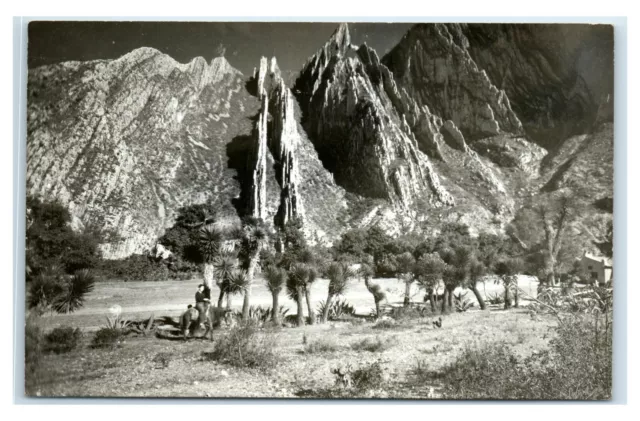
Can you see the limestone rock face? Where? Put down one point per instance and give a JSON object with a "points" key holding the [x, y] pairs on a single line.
{"points": [[296, 177], [360, 137], [432, 63], [126, 142], [558, 78]]}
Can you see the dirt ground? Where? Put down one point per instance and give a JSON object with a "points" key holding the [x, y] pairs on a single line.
{"points": [[133, 370]]}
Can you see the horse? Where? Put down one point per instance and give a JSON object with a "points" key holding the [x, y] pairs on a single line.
{"points": [[215, 316]]}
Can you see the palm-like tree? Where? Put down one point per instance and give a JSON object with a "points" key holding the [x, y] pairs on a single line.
{"points": [[252, 237], [78, 286], [428, 271], [210, 240], [275, 278], [223, 266], [297, 281], [366, 272], [405, 263], [339, 274]]}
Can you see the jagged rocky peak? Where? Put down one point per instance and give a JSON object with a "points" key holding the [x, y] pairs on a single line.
{"points": [[432, 63], [278, 133], [349, 102]]}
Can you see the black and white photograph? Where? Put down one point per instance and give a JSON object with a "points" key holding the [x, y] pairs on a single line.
{"points": [[319, 210]]}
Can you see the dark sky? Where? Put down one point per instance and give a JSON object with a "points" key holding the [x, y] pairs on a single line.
{"points": [[292, 43]]}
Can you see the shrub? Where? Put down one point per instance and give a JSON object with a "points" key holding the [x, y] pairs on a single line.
{"points": [[577, 366], [495, 298], [136, 267], [387, 324], [376, 344], [63, 339], [321, 345], [244, 346], [107, 338], [370, 376]]}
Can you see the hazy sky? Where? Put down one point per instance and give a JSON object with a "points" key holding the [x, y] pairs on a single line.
{"points": [[291, 43]]}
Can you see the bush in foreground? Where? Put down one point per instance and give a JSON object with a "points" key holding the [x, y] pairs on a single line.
{"points": [[107, 337], [577, 366], [63, 339], [245, 346]]}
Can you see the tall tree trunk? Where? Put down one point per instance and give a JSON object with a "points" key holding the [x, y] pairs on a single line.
{"points": [[253, 263], [450, 298], [476, 292], [207, 276], [516, 303], [377, 307], [312, 315], [299, 302], [407, 292], [327, 307], [507, 294], [275, 309], [445, 298], [433, 297], [220, 298]]}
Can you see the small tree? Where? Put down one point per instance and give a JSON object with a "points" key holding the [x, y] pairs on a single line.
{"points": [[508, 270], [405, 263], [297, 280], [252, 236], [428, 271], [210, 240], [366, 273], [275, 278]]}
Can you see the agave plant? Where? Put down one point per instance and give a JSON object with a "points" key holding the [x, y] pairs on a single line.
{"points": [[335, 310]]}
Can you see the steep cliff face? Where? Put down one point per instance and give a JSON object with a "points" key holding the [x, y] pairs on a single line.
{"points": [[432, 63], [359, 135], [126, 142], [288, 178], [556, 77]]}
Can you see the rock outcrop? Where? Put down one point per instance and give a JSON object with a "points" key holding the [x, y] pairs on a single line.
{"points": [[556, 77], [294, 175], [432, 63], [359, 135], [126, 142]]}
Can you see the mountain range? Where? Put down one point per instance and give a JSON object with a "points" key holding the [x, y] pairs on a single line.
{"points": [[458, 123]]}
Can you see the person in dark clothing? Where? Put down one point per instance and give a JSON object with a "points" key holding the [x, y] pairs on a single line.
{"points": [[202, 303]]}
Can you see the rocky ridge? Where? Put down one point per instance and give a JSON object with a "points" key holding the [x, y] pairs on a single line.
{"points": [[125, 143]]}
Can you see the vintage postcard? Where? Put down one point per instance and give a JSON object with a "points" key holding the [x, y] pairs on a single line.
{"points": [[319, 210]]}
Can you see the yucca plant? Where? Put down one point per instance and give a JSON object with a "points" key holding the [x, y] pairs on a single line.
{"points": [[275, 279], [223, 266], [76, 288], [297, 282], [252, 236]]}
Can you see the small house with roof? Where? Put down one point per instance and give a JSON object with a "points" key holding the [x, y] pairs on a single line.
{"points": [[599, 269]]}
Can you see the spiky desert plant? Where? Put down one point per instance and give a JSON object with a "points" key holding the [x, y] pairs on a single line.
{"points": [[223, 265], [339, 274], [297, 281], [77, 286], [210, 240], [275, 279], [366, 272], [252, 236]]}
